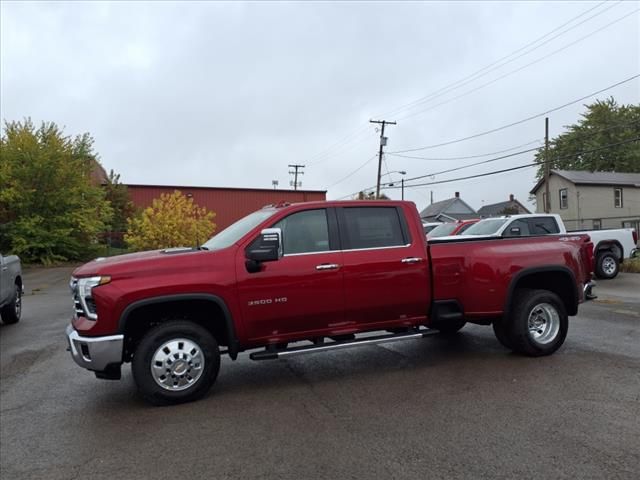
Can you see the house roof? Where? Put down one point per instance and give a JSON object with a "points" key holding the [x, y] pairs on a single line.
{"points": [[443, 207], [580, 177], [498, 208]]}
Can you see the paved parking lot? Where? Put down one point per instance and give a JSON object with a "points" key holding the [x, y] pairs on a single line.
{"points": [[459, 407]]}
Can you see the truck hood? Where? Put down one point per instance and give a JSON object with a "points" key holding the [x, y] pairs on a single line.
{"points": [[134, 262]]}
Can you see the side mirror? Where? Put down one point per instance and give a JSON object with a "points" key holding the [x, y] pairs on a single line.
{"points": [[514, 232], [266, 248]]}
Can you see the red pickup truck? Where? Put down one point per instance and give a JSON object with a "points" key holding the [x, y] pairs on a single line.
{"points": [[293, 279]]}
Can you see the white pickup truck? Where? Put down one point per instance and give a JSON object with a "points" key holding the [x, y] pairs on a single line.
{"points": [[610, 247]]}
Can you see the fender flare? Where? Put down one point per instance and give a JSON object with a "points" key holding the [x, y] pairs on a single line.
{"points": [[232, 339], [545, 269], [606, 245]]}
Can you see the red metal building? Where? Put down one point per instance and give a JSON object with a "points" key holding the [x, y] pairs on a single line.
{"points": [[229, 204]]}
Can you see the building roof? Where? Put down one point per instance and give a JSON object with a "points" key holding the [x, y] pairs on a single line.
{"points": [[244, 189], [580, 177], [498, 208], [453, 208]]}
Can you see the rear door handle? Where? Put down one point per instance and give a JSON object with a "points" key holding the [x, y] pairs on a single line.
{"points": [[411, 260], [327, 266]]}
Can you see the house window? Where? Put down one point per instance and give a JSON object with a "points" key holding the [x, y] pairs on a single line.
{"points": [[597, 224], [544, 201], [564, 198], [617, 197]]}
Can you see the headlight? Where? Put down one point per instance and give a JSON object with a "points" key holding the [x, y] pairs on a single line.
{"points": [[86, 284], [84, 295]]}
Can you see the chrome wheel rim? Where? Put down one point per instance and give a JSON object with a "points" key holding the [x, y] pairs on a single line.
{"points": [[177, 364], [609, 265], [543, 323], [18, 305]]}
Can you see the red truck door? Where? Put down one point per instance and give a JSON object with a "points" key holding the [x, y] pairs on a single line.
{"points": [[303, 290], [385, 270]]}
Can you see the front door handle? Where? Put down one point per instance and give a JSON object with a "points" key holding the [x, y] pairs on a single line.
{"points": [[411, 260], [327, 266]]}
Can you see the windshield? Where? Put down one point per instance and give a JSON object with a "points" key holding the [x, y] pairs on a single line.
{"points": [[443, 230], [485, 227], [236, 231]]}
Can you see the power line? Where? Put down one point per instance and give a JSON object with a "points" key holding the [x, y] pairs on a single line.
{"points": [[385, 185], [353, 172], [468, 156], [488, 68], [486, 174], [324, 154], [518, 69], [524, 120]]}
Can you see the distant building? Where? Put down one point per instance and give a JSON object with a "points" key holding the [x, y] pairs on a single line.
{"points": [[510, 207], [448, 210], [592, 199], [229, 204]]}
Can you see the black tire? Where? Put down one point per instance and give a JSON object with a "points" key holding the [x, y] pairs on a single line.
{"points": [[607, 265], [173, 333], [544, 307], [451, 327], [502, 333], [12, 311]]}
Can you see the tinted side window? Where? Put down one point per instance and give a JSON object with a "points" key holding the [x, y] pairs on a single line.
{"points": [[305, 232], [372, 227], [522, 224], [543, 226]]}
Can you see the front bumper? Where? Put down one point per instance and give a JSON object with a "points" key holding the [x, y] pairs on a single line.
{"points": [[95, 353]]}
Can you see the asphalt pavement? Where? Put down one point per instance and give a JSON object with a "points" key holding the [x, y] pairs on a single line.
{"points": [[460, 407]]}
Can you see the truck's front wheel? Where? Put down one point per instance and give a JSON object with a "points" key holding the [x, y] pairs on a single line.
{"points": [[538, 322], [176, 362]]}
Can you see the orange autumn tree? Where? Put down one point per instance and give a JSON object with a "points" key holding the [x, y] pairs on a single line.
{"points": [[173, 220]]}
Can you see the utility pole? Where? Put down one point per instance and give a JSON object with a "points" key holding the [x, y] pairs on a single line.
{"points": [[547, 201], [295, 174], [383, 142], [402, 180]]}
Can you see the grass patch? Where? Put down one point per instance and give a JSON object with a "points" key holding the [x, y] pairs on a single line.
{"points": [[631, 265]]}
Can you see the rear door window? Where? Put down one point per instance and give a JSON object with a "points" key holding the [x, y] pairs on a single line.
{"points": [[373, 227], [543, 226]]}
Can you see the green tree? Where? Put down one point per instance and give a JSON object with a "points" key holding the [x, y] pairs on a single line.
{"points": [[604, 123], [370, 196], [50, 210], [118, 197], [173, 220]]}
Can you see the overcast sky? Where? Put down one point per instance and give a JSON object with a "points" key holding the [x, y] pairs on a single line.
{"points": [[227, 94]]}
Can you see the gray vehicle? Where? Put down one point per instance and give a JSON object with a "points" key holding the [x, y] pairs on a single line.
{"points": [[11, 289]]}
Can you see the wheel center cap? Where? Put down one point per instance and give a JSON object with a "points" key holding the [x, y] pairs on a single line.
{"points": [[180, 367]]}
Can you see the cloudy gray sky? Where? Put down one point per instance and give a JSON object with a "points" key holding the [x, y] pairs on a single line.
{"points": [[228, 94]]}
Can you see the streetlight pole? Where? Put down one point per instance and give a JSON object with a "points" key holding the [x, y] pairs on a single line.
{"points": [[401, 172]]}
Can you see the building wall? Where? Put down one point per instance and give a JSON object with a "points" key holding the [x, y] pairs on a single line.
{"points": [[591, 202], [229, 204]]}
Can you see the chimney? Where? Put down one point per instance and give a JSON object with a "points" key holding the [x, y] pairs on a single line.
{"points": [[511, 197], [457, 194]]}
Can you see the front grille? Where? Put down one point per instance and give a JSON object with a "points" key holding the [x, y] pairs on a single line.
{"points": [[77, 305]]}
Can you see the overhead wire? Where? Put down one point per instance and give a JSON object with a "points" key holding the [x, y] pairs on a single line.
{"points": [[519, 167], [524, 120], [326, 153], [500, 62], [469, 92], [433, 174]]}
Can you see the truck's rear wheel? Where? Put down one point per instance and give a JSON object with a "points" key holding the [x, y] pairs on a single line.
{"points": [[607, 265], [176, 362], [11, 311], [538, 324]]}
